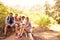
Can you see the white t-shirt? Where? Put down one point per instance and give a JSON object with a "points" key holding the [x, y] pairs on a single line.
{"points": [[22, 22]]}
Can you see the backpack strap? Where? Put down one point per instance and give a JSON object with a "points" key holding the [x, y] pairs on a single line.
{"points": [[8, 18]]}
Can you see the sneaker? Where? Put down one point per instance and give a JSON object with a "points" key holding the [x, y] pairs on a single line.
{"points": [[19, 36], [25, 34]]}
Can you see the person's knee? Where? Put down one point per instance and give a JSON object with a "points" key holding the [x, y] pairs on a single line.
{"points": [[16, 25], [6, 26], [27, 30]]}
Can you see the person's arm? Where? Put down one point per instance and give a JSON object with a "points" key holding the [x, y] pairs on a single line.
{"points": [[29, 26], [6, 21], [14, 21]]}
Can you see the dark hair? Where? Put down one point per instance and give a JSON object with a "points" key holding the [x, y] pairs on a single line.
{"points": [[23, 16], [19, 18], [11, 13], [16, 14], [27, 17]]}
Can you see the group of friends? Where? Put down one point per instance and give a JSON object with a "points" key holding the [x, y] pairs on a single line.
{"points": [[22, 25]]}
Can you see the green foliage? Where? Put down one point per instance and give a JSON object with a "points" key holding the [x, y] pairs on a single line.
{"points": [[58, 20], [40, 19], [45, 20], [3, 13]]}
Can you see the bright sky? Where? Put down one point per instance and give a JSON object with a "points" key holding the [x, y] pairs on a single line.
{"points": [[24, 4]]}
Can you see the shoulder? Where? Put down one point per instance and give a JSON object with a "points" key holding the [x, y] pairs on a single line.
{"points": [[7, 17], [29, 23]]}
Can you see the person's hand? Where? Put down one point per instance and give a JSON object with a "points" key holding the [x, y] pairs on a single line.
{"points": [[16, 25], [11, 25]]}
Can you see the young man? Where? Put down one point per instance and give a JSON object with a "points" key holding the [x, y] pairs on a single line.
{"points": [[9, 22]]}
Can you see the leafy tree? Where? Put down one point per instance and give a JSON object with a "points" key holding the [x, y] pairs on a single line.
{"points": [[3, 13]]}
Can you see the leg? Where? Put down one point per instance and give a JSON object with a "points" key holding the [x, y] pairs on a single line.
{"points": [[25, 33], [29, 33], [27, 30], [16, 28], [30, 36], [21, 30], [5, 29]]}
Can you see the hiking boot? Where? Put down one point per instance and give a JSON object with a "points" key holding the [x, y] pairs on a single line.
{"points": [[19, 36]]}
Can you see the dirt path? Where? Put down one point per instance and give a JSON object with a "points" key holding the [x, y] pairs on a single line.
{"points": [[12, 37], [46, 35], [38, 36]]}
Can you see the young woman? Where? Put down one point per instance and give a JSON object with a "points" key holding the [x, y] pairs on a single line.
{"points": [[9, 23], [22, 25], [28, 28]]}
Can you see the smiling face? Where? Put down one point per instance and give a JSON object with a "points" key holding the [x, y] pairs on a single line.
{"points": [[11, 14], [23, 17], [16, 15], [27, 19]]}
